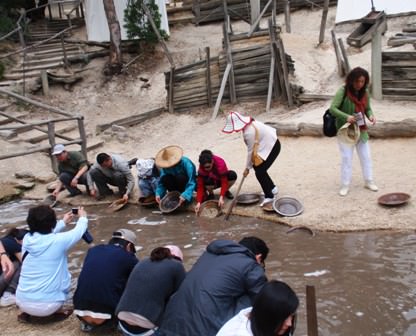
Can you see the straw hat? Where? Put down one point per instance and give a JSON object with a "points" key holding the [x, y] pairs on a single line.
{"points": [[235, 122], [169, 156], [349, 133]]}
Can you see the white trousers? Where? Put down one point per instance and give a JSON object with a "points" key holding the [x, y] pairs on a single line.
{"points": [[363, 151]]}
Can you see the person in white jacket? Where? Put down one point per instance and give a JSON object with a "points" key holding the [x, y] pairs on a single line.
{"points": [[45, 280], [263, 147]]}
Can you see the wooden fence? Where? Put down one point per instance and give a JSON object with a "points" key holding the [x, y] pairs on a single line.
{"points": [[47, 127], [255, 67], [398, 74], [213, 10]]}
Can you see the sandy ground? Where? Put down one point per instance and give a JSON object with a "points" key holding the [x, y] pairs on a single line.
{"points": [[307, 168]]}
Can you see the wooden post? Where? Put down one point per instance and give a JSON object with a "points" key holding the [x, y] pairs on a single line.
{"points": [[312, 320], [254, 25], [376, 87], [337, 54], [254, 13], [208, 78], [346, 63], [285, 72], [231, 81], [323, 21], [82, 136], [171, 90], [45, 83], [287, 16], [51, 136], [50, 12], [161, 40], [66, 63], [219, 98], [274, 13], [21, 37], [272, 65], [197, 10]]}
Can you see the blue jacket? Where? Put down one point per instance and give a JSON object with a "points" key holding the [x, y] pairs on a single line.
{"points": [[224, 280], [103, 278], [184, 167], [44, 276]]}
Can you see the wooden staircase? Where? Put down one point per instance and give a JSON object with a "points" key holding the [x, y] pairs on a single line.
{"points": [[45, 56]]}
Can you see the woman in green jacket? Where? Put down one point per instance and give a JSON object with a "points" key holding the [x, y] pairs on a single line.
{"points": [[351, 104]]}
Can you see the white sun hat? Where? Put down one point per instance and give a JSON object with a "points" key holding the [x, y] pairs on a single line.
{"points": [[235, 122], [349, 133]]}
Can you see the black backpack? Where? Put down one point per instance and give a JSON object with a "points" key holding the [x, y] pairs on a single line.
{"points": [[329, 128]]}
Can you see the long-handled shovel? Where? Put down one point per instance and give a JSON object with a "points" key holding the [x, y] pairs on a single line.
{"points": [[227, 215]]}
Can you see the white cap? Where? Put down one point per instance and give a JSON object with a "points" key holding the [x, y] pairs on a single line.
{"points": [[58, 149]]}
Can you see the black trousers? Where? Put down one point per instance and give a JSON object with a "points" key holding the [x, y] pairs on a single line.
{"points": [[174, 182], [262, 176]]}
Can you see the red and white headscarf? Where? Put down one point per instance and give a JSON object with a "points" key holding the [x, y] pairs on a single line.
{"points": [[235, 122]]}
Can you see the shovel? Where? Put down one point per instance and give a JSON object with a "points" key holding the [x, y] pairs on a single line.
{"points": [[227, 215]]}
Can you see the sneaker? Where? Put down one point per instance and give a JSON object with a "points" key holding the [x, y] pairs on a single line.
{"points": [[229, 195], [275, 190], [265, 201], [75, 193], [370, 185], [85, 327], [7, 299], [344, 190]]}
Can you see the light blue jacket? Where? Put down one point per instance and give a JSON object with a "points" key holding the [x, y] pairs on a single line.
{"points": [[44, 276], [184, 167]]}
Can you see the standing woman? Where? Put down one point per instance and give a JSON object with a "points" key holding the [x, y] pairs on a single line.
{"points": [[351, 104], [263, 147]]}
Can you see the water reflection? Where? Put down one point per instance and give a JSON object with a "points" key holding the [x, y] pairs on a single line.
{"points": [[365, 282]]}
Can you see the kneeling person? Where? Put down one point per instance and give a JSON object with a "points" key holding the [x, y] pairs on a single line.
{"points": [[103, 278]]}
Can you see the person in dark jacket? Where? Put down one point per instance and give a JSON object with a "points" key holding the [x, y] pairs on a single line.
{"points": [[148, 289], [103, 278], [224, 280]]}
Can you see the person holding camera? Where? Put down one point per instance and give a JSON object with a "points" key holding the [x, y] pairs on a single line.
{"points": [[45, 281], [103, 278]]}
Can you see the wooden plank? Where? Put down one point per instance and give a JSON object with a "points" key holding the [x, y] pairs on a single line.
{"points": [[227, 47], [323, 21], [208, 77], [223, 82], [337, 54], [311, 315], [285, 72]]}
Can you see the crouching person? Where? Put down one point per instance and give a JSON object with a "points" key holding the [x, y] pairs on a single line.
{"points": [[148, 290], [45, 280], [148, 179], [103, 278]]}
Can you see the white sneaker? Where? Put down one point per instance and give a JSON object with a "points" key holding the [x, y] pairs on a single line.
{"points": [[265, 201], [7, 299], [275, 190], [370, 185], [344, 190]]}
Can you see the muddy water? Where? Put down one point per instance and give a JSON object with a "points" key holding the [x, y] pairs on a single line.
{"points": [[365, 282]]}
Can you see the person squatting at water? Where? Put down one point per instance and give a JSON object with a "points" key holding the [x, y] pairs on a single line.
{"points": [[150, 285], [103, 278], [72, 167], [263, 147], [12, 244], [351, 104], [148, 176], [213, 173], [112, 170], [177, 173], [45, 280], [224, 280], [273, 313]]}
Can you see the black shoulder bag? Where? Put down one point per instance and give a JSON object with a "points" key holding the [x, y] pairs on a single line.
{"points": [[329, 128]]}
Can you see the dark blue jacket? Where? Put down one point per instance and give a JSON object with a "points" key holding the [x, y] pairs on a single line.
{"points": [[224, 280], [103, 278]]}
